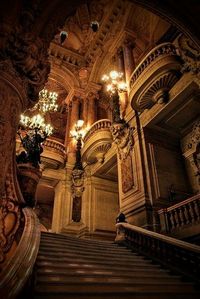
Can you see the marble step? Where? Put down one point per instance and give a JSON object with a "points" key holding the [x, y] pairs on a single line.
{"points": [[93, 261], [95, 266], [62, 248], [80, 254], [49, 271], [99, 279], [110, 288]]}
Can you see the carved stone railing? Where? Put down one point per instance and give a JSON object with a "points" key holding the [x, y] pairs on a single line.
{"points": [[155, 76], [180, 215], [18, 268], [97, 141], [179, 256], [99, 125], [54, 154]]}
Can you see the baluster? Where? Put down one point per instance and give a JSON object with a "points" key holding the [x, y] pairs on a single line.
{"points": [[171, 217], [197, 209], [176, 222], [192, 212], [187, 214], [182, 216]]}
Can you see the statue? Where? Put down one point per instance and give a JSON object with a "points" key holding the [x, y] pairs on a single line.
{"points": [[32, 144]]}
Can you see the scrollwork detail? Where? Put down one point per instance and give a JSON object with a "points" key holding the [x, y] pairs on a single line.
{"points": [[190, 55], [123, 138]]}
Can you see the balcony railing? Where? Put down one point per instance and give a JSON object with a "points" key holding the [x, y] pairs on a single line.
{"points": [[180, 215], [97, 142], [99, 125], [163, 49], [55, 146], [54, 154]]}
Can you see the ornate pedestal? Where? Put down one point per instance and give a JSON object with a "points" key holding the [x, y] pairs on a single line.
{"points": [[28, 177]]}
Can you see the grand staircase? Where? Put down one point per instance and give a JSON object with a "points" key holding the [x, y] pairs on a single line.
{"points": [[68, 267]]}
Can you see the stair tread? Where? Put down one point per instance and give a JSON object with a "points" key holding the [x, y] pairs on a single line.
{"points": [[97, 288], [68, 267]]}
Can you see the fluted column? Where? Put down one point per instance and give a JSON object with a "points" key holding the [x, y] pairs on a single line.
{"points": [[91, 108], [129, 62]]}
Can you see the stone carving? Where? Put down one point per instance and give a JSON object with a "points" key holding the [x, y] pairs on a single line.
{"points": [[10, 215], [195, 139], [158, 91], [77, 182], [123, 138], [29, 58], [190, 55], [127, 174]]}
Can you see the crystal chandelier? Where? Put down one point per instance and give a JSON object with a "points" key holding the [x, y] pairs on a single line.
{"points": [[33, 130], [36, 123], [47, 101]]}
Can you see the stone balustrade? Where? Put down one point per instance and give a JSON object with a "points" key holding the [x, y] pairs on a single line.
{"points": [[103, 124], [155, 75], [179, 256], [54, 155], [55, 146], [180, 215], [97, 142], [162, 49]]}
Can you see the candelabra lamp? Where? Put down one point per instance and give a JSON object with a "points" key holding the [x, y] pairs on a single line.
{"points": [[77, 186], [115, 85], [32, 132]]}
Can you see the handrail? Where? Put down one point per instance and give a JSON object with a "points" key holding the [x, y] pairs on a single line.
{"points": [[162, 49], [179, 256], [19, 267], [98, 125]]}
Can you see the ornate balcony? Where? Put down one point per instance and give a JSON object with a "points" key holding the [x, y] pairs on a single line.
{"points": [[54, 155], [155, 76], [97, 142]]}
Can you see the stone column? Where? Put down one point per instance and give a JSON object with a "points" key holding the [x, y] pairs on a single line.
{"points": [[85, 111], [91, 108], [57, 208], [129, 62], [123, 95]]}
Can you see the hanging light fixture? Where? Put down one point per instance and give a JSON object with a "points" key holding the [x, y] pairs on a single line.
{"points": [[33, 130], [47, 101], [114, 82]]}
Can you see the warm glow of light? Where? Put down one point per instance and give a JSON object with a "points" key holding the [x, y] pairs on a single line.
{"points": [[113, 75], [47, 101], [36, 122], [122, 86], [80, 123], [114, 82], [105, 78]]}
